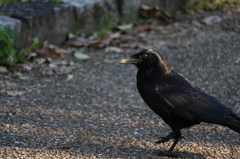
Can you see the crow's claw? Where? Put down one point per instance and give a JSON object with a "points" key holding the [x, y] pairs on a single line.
{"points": [[165, 139]]}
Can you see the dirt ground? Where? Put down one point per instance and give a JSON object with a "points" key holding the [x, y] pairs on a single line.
{"points": [[96, 111]]}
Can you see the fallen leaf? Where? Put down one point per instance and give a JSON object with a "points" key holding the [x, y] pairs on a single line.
{"points": [[52, 65], [118, 41], [165, 14], [69, 77], [32, 55], [63, 63], [74, 44], [146, 7], [142, 27], [27, 68], [40, 60], [71, 35], [46, 52], [212, 19], [81, 56], [25, 50], [155, 12], [147, 12], [59, 63], [15, 93], [94, 36], [71, 63], [23, 64], [48, 59], [95, 43], [109, 61], [62, 51], [131, 46], [51, 46], [113, 49], [2, 90], [3, 69], [64, 72], [115, 35], [125, 26]]}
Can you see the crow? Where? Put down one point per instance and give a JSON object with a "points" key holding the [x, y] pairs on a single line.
{"points": [[175, 99]]}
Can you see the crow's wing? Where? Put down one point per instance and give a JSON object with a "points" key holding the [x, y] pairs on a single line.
{"points": [[188, 102], [203, 107]]}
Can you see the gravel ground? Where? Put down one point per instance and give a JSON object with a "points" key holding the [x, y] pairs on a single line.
{"points": [[96, 112]]}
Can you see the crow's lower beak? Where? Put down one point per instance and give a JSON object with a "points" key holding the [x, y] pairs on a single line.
{"points": [[129, 60]]}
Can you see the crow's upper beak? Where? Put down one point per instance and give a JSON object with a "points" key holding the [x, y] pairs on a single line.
{"points": [[130, 60]]}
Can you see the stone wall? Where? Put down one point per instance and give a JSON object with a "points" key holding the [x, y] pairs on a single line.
{"points": [[53, 21]]}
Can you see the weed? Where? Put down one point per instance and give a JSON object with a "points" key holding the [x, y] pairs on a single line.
{"points": [[2, 13], [56, 1], [8, 55], [227, 4], [211, 4], [29, 49], [105, 24], [35, 42], [205, 4], [8, 1], [77, 33]]}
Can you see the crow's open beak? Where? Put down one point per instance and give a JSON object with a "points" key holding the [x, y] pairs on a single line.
{"points": [[129, 60]]}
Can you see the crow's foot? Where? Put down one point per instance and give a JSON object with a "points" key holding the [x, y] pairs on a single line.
{"points": [[165, 139]]}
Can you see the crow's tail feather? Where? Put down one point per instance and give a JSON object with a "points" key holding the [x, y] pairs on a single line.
{"points": [[234, 123], [235, 128]]}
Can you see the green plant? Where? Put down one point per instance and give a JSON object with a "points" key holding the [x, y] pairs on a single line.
{"points": [[210, 4], [205, 4], [226, 4], [35, 42], [56, 1], [29, 49], [77, 33], [105, 24], [6, 1], [8, 55], [2, 13]]}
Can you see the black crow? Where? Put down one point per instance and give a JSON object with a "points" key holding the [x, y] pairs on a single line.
{"points": [[175, 99]]}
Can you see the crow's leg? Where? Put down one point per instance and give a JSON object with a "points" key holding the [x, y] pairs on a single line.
{"points": [[166, 139], [177, 137], [176, 134]]}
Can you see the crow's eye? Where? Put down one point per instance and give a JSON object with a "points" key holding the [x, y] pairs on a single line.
{"points": [[144, 56]]}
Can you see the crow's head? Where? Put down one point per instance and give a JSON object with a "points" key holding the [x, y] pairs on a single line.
{"points": [[148, 59]]}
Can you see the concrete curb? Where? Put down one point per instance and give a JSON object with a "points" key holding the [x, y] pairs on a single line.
{"points": [[52, 21]]}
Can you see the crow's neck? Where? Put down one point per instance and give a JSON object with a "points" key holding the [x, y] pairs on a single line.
{"points": [[153, 72]]}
